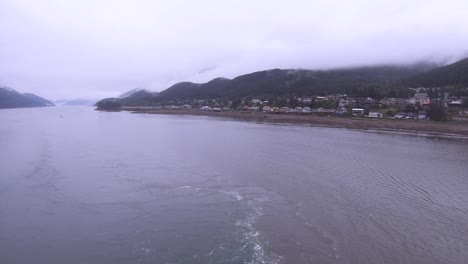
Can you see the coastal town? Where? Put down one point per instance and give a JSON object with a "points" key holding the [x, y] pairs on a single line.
{"points": [[420, 106]]}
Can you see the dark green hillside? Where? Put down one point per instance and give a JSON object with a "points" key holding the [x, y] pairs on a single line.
{"points": [[455, 74], [380, 80], [375, 82], [138, 97], [186, 90]]}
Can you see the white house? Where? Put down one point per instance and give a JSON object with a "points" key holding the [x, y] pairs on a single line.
{"points": [[400, 116], [375, 115], [266, 108], [306, 110], [286, 110], [422, 115], [298, 109], [342, 102], [455, 103], [357, 111]]}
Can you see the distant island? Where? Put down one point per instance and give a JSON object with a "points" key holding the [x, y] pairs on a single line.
{"points": [[10, 98]]}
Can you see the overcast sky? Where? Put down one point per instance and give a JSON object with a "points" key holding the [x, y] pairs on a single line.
{"points": [[98, 48]]}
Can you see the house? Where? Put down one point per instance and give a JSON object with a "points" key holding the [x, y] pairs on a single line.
{"points": [[412, 101], [375, 115], [298, 110], [419, 89], [351, 101], [400, 102], [388, 101], [266, 109], [455, 103], [369, 100], [341, 110], [286, 110], [422, 115], [306, 110], [343, 102], [256, 101], [187, 106], [400, 116], [426, 102], [411, 116], [307, 100], [358, 111], [421, 96]]}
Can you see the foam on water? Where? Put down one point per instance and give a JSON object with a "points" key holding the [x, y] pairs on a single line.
{"points": [[251, 237], [190, 187], [234, 194]]}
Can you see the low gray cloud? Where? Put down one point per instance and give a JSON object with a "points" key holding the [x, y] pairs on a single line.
{"points": [[96, 48]]}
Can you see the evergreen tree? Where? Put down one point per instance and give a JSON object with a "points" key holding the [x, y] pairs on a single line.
{"points": [[438, 110]]}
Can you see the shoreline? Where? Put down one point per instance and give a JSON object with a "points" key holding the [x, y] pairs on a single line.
{"points": [[432, 128]]}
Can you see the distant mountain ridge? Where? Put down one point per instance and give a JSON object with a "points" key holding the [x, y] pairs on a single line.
{"points": [[75, 102], [279, 82], [130, 93], [373, 81], [453, 74], [135, 97], [10, 98]]}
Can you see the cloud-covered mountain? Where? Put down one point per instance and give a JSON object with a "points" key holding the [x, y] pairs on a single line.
{"points": [[278, 82], [373, 81]]}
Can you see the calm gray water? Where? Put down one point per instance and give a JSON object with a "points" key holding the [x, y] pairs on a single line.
{"points": [[97, 187]]}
